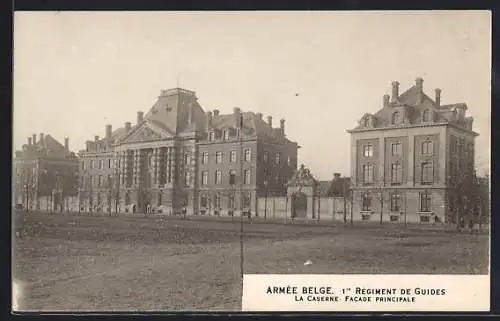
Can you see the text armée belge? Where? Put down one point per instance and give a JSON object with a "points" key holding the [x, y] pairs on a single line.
{"points": [[295, 290]]}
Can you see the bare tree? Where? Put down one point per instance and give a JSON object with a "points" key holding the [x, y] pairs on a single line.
{"points": [[379, 191]]}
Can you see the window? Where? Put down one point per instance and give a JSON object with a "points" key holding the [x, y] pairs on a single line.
{"points": [[246, 201], [101, 164], [218, 158], [91, 163], [278, 158], [230, 201], [217, 201], [289, 161], [226, 134], [424, 219], [396, 148], [266, 157], [368, 173], [204, 201], [366, 202], [211, 136], [232, 177], [366, 122], [218, 177], [99, 182], [232, 156], [427, 147], [248, 155], [425, 202], [187, 178], [84, 167], [427, 115], [395, 202], [204, 158], [246, 177], [186, 158], [396, 173], [426, 173], [396, 119], [394, 218], [204, 178], [368, 150], [110, 164]]}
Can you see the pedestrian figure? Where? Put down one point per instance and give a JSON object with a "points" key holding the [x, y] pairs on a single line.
{"points": [[133, 209]]}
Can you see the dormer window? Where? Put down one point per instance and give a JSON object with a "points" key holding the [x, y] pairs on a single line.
{"points": [[226, 134], [426, 117], [396, 118], [366, 122], [211, 136]]}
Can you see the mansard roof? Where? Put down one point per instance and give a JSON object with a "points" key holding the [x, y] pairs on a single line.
{"points": [[414, 102]]}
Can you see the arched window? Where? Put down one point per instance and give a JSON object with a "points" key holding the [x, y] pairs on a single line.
{"points": [[427, 147], [427, 115], [395, 118]]}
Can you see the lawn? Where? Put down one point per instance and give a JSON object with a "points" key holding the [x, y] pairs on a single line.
{"points": [[84, 263]]}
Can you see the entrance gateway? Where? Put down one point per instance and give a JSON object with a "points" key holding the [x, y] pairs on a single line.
{"points": [[301, 192]]}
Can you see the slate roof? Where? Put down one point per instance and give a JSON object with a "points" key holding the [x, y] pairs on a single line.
{"points": [[414, 101], [251, 122], [49, 148]]}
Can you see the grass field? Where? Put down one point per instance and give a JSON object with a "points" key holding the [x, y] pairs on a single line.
{"points": [[83, 263]]}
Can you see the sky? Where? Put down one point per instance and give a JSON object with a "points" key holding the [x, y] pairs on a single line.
{"points": [[75, 72]]}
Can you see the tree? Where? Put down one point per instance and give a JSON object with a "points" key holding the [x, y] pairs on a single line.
{"points": [[379, 192]]}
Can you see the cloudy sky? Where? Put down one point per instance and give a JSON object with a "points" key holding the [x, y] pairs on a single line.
{"points": [[76, 72]]}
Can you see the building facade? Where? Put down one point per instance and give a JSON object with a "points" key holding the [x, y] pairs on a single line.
{"points": [[412, 159], [45, 175], [178, 158]]}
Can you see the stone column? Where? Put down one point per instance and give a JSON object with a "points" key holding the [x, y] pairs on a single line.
{"points": [[170, 164], [136, 167], [156, 166]]}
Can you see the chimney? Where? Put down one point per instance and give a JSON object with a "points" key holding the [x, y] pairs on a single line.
{"points": [[386, 100], [128, 126], [438, 96], [336, 175], [96, 138], [29, 141], [88, 145], [419, 82], [237, 116], [140, 116], [209, 119], [216, 113], [270, 121], [34, 139], [66, 144], [282, 125], [109, 130], [42, 140], [395, 91]]}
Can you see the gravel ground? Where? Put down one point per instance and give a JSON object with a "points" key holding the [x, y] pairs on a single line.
{"points": [[84, 263]]}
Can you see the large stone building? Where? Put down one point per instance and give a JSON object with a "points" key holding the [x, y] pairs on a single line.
{"points": [[45, 175], [412, 159], [177, 157]]}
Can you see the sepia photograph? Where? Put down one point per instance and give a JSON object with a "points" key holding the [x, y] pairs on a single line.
{"points": [[160, 158]]}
